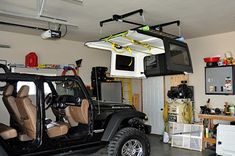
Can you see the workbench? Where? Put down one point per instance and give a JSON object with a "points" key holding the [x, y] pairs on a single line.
{"points": [[210, 125]]}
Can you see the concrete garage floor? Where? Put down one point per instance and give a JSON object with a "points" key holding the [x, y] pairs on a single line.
{"points": [[157, 149]]}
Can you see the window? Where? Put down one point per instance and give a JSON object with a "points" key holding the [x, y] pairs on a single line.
{"points": [[47, 89], [32, 86], [125, 63], [179, 55], [69, 88]]}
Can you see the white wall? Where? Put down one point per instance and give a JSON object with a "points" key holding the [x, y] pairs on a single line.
{"points": [[204, 47], [50, 52]]}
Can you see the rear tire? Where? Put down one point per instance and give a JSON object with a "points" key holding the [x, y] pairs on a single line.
{"points": [[129, 142]]}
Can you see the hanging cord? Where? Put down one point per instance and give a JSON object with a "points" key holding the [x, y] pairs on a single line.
{"points": [[179, 29], [101, 31], [143, 18]]}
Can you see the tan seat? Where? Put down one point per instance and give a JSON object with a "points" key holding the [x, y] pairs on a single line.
{"points": [[7, 132], [76, 115], [28, 114], [10, 103], [57, 129]]}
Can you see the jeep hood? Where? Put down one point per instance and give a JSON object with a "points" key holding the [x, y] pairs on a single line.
{"points": [[112, 105]]}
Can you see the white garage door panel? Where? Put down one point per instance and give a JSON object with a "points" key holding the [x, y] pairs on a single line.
{"points": [[153, 102]]}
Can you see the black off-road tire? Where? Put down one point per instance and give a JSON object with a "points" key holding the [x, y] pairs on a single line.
{"points": [[125, 134]]}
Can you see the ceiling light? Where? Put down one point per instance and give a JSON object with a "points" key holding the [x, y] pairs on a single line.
{"points": [[4, 46], [77, 2]]}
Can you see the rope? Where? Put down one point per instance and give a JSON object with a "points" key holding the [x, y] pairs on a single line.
{"points": [[68, 69], [138, 43], [124, 49]]}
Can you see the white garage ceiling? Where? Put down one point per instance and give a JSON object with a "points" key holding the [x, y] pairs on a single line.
{"points": [[198, 17]]}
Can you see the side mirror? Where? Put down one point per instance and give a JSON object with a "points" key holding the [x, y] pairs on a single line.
{"points": [[3, 70]]}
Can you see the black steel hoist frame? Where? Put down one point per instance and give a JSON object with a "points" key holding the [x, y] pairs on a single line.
{"points": [[157, 28]]}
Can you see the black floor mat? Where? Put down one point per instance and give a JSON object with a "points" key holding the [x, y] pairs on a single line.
{"points": [[79, 131]]}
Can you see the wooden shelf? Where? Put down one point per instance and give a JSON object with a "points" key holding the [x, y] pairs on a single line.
{"points": [[210, 125], [210, 140], [216, 117]]}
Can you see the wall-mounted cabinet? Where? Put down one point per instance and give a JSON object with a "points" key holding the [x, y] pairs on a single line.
{"points": [[220, 80]]}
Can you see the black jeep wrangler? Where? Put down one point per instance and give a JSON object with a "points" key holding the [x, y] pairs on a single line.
{"points": [[55, 114]]}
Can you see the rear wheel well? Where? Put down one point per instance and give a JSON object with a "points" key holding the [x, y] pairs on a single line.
{"points": [[124, 119]]}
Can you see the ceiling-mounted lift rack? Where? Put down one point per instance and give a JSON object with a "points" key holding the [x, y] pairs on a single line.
{"points": [[152, 30]]}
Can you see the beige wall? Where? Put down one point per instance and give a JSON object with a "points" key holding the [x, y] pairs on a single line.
{"points": [[204, 47], [50, 52], [65, 52]]}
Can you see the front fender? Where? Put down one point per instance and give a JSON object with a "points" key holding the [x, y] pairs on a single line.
{"points": [[116, 121], [139, 124]]}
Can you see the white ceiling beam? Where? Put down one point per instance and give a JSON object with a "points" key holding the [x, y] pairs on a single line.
{"points": [[76, 2], [40, 6], [39, 18]]}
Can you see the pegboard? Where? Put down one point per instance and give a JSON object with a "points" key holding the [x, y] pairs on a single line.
{"points": [[176, 79]]}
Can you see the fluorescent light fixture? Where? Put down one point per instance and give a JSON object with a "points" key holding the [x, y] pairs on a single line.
{"points": [[76, 2], [4, 46]]}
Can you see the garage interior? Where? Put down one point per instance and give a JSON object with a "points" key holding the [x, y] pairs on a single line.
{"points": [[121, 51]]}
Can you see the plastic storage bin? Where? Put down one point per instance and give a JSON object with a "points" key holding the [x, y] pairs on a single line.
{"points": [[188, 136]]}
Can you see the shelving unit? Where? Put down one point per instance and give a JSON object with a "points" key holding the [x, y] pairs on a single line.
{"points": [[209, 140], [216, 117], [210, 124]]}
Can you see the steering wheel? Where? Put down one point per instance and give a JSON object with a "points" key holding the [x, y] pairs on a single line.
{"points": [[62, 101], [68, 100], [49, 99]]}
